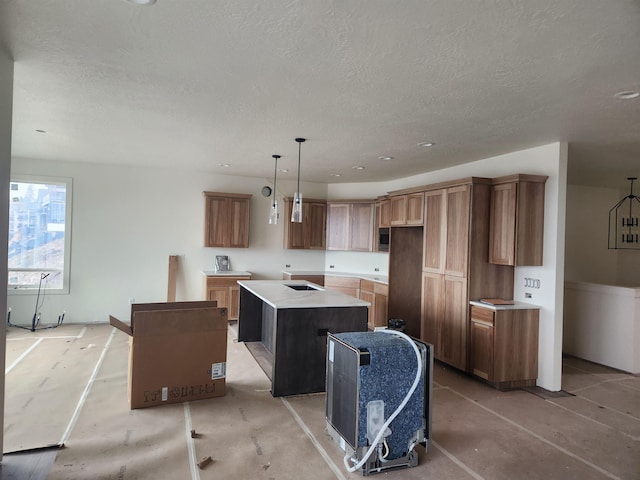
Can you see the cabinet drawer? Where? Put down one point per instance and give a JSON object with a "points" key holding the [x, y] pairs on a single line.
{"points": [[483, 315], [366, 285], [348, 282], [380, 288]]}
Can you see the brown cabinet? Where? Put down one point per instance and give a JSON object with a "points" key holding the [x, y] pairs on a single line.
{"points": [[517, 220], [226, 220], [407, 209], [504, 346], [455, 267], [311, 233], [225, 290], [384, 212], [376, 294], [347, 285], [350, 226]]}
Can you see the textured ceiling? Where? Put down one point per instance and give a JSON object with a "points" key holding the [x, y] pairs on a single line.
{"points": [[198, 83]]}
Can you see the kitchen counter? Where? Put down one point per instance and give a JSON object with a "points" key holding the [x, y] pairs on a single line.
{"points": [[286, 330], [230, 273], [279, 294], [515, 306], [366, 276]]}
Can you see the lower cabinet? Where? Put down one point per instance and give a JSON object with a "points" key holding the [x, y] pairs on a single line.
{"points": [[226, 291], [444, 317], [377, 295], [504, 346]]}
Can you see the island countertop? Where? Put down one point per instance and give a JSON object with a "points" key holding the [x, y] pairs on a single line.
{"points": [[280, 295]]}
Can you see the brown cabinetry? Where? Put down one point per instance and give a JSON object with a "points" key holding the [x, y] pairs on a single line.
{"points": [[226, 220], [225, 290], [407, 209], [384, 212], [504, 346], [517, 220], [376, 294], [455, 267], [311, 233], [346, 285], [350, 226]]}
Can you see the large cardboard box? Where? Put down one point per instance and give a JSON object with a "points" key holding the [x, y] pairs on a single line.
{"points": [[177, 352]]}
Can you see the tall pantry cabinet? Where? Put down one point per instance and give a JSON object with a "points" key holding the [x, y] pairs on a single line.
{"points": [[455, 265]]}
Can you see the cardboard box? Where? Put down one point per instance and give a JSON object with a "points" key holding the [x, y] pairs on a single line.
{"points": [[177, 352]]}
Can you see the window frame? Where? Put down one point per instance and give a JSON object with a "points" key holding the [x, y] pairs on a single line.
{"points": [[66, 274]]}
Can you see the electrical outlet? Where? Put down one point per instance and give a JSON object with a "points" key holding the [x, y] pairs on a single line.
{"points": [[288, 265], [527, 295], [376, 269], [132, 301], [331, 266]]}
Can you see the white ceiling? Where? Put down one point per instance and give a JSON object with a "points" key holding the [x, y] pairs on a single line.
{"points": [[198, 83]]}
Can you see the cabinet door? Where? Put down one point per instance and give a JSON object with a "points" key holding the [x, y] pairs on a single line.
{"points": [[216, 221], [455, 322], [338, 226], [234, 302], [316, 225], [367, 296], [502, 227], [432, 310], [361, 227], [482, 349], [220, 294], [415, 206], [435, 228], [239, 222], [385, 213], [380, 309], [457, 249], [398, 210]]}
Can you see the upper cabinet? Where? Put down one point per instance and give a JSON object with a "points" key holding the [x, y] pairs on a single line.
{"points": [[311, 233], [407, 209], [226, 220], [517, 220], [383, 206], [350, 226]]}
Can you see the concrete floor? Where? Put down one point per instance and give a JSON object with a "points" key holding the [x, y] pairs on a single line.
{"points": [[590, 432]]}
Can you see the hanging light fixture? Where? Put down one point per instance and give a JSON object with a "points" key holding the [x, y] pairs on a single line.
{"points": [[273, 214], [624, 230], [296, 211]]}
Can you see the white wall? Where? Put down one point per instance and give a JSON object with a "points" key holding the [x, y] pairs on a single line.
{"points": [[127, 221], [6, 97]]}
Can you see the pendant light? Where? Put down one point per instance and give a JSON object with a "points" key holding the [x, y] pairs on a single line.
{"points": [[273, 214], [624, 227], [296, 211]]}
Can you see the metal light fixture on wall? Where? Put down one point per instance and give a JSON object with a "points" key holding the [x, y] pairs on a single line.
{"points": [[296, 211], [624, 229], [273, 213]]}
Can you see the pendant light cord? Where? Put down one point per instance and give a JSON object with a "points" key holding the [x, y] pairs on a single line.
{"points": [[299, 150]]}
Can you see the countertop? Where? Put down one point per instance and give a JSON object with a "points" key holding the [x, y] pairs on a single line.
{"points": [[366, 276], [515, 306], [277, 294], [230, 273]]}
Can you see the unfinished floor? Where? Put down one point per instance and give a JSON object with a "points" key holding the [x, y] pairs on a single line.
{"points": [[69, 386]]}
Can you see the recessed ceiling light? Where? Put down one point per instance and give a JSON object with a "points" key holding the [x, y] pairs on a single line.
{"points": [[358, 167], [283, 170], [627, 95], [41, 131], [225, 165], [143, 3], [426, 144], [336, 174], [385, 158]]}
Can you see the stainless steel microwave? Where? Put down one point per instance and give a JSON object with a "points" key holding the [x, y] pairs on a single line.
{"points": [[383, 239]]}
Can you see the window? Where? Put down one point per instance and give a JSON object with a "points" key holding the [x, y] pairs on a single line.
{"points": [[39, 234]]}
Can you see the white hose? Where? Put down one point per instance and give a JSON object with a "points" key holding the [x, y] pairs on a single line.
{"points": [[375, 442]]}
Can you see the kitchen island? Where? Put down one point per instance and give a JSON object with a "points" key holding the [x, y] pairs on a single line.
{"points": [[284, 324]]}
